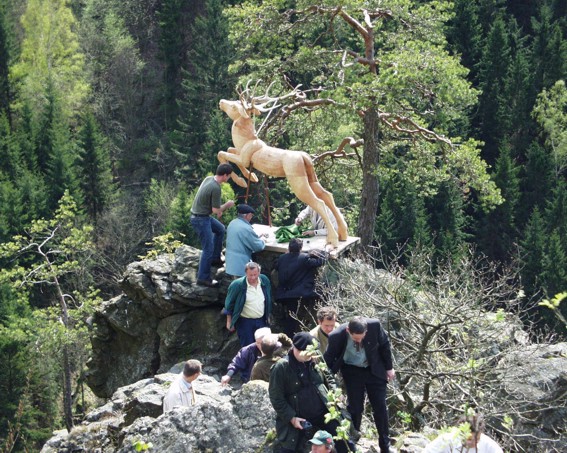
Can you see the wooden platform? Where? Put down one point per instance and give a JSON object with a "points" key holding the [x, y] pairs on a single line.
{"points": [[309, 242]]}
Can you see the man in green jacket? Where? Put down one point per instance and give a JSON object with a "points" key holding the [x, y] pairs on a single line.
{"points": [[248, 303], [298, 393]]}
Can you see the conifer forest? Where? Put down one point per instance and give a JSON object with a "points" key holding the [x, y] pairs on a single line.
{"points": [[439, 126]]}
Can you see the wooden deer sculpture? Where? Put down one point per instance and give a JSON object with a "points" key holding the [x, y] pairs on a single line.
{"points": [[296, 166]]}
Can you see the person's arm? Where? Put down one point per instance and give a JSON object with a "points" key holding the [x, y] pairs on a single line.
{"points": [[276, 391], [333, 350], [219, 211], [302, 215], [252, 241], [229, 304]]}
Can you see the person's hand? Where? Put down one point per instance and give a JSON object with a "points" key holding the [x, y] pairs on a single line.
{"points": [[297, 221], [229, 204], [308, 233], [296, 422], [230, 329], [225, 379], [390, 375]]}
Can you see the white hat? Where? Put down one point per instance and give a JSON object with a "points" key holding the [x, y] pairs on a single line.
{"points": [[262, 332]]}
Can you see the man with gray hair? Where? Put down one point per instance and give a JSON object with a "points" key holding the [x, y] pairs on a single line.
{"points": [[248, 303]]}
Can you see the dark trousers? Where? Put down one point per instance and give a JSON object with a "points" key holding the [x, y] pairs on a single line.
{"points": [[319, 423], [245, 328], [358, 381]]}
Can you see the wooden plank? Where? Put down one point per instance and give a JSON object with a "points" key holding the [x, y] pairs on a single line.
{"points": [[309, 242]]}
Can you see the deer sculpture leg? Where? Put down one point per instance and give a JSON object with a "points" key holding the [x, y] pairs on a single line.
{"points": [[302, 189], [327, 198], [305, 194], [232, 156]]}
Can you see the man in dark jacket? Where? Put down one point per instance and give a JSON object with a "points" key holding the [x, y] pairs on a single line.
{"points": [[296, 281], [298, 393], [361, 351]]}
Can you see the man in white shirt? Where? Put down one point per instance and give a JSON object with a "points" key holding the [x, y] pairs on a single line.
{"points": [[318, 227], [467, 438], [181, 392]]}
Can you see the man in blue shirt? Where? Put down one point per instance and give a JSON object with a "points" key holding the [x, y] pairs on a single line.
{"points": [[241, 241]]}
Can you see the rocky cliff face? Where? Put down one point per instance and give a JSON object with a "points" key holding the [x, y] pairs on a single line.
{"points": [[162, 317]]}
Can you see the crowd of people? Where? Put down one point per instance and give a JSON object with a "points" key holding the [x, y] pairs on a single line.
{"points": [[291, 362]]}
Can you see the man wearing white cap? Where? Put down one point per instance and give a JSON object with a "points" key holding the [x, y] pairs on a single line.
{"points": [[245, 359]]}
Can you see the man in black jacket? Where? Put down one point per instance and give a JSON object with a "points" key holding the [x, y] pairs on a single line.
{"points": [[361, 351], [296, 281], [298, 393]]}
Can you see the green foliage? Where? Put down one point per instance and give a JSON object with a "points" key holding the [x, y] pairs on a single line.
{"points": [[47, 255], [50, 54], [160, 245], [550, 112], [94, 168], [201, 128], [140, 445], [554, 304]]}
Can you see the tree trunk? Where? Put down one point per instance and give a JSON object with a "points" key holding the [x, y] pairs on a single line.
{"points": [[67, 390], [370, 185]]}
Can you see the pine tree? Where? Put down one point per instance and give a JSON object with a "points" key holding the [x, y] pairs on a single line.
{"points": [[94, 168], [498, 231], [203, 83], [4, 59], [10, 157], [173, 18], [448, 221], [556, 212], [554, 266], [518, 96], [465, 34], [549, 49], [494, 68], [536, 182], [533, 248], [50, 55]]}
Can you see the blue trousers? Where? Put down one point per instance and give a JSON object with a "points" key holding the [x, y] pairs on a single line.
{"points": [[245, 328], [211, 234]]}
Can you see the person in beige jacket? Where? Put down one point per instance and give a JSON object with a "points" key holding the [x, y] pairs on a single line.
{"points": [[181, 392]]}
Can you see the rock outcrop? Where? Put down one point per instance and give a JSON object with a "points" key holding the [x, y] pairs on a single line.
{"points": [[222, 420], [162, 317]]}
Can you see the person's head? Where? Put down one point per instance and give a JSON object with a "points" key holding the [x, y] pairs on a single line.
{"points": [[252, 271], [295, 245], [260, 333], [245, 212], [327, 319], [192, 370], [269, 344], [224, 169], [357, 328], [322, 442], [476, 424], [301, 341]]}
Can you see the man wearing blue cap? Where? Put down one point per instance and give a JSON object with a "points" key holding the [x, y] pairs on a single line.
{"points": [[241, 241]]}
